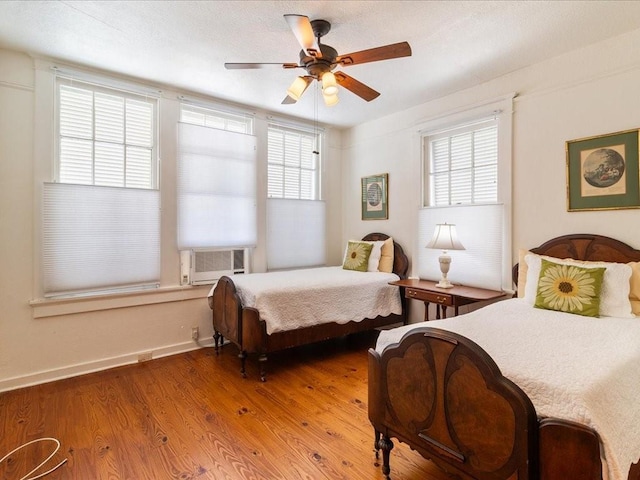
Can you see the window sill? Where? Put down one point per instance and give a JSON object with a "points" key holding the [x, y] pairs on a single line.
{"points": [[46, 307]]}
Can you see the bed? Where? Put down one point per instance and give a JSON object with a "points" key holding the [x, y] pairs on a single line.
{"points": [[236, 319], [551, 397]]}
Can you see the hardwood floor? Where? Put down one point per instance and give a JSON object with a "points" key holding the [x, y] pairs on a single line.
{"points": [[192, 416]]}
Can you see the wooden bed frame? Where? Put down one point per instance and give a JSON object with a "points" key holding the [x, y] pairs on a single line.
{"points": [[244, 327], [444, 396]]}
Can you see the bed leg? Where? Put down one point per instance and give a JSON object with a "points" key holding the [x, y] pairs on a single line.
{"points": [[376, 443], [386, 445], [216, 340], [262, 361], [243, 357]]}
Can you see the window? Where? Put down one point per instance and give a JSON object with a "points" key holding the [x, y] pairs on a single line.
{"points": [[217, 179], [101, 217], [295, 213], [463, 166], [293, 164], [467, 182], [106, 137]]}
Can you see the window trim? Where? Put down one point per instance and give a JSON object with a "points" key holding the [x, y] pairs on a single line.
{"points": [[502, 109]]}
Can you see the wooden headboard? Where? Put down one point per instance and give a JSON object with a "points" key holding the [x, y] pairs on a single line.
{"points": [[400, 260], [585, 246]]}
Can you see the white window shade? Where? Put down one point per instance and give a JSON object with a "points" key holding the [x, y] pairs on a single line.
{"points": [[216, 188], [295, 233], [99, 238], [480, 230]]}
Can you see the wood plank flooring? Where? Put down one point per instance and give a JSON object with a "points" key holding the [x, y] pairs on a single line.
{"points": [[192, 416]]}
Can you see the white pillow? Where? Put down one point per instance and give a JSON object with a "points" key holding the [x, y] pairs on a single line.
{"points": [[374, 258], [614, 296]]}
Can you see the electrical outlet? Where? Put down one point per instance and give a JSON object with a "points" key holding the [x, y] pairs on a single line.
{"points": [[195, 333], [145, 357]]}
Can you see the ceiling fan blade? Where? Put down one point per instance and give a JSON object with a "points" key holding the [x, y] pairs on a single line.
{"points": [[301, 28], [353, 85], [288, 100], [252, 66], [395, 50]]}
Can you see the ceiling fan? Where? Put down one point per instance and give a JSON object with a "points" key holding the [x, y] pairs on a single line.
{"points": [[319, 61]]}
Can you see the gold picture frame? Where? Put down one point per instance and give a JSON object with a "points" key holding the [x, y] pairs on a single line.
{"points": [[375, 197], [603, 172]]}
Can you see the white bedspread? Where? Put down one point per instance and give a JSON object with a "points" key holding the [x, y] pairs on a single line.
{"points": [[571, 367], [303, 298]]}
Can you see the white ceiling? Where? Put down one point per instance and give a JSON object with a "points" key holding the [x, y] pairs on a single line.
{"points": [[456, 44]]}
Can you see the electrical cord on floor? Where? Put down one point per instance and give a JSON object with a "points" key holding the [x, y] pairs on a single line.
{"points": [[26, 477]]}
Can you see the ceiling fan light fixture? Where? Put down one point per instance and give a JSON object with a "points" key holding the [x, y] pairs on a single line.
{"points": [[330, 100], [297, 88], [329, 85]]}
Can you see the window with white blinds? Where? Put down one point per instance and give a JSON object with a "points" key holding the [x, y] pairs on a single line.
{"points": [[293, 164], [462, 167], [217, 180], [106, 137], [101, 217], [296, 217]]}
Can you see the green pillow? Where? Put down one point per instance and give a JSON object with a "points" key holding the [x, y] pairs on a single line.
{"points": [[571, 289], [357, 256]]}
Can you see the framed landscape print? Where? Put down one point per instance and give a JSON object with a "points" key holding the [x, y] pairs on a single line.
{"points": [[375, 197], [603, 173]]}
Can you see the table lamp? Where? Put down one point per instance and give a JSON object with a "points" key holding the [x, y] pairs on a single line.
{"points": [[445, 238]]}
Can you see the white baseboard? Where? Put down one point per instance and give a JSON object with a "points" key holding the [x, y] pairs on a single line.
{"points": [[98, 365]]}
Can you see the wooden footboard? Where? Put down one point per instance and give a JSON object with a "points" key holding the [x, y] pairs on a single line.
{"points": [[444, 396]]}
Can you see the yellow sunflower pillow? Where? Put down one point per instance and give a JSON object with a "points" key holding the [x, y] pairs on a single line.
{"points": [[357, 256], [570, 289]]}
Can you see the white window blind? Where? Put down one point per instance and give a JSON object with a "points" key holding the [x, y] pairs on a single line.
{"points": [[214, 118], [99, 238], [216, 188], [462, 165], [293, 164], [106, 137], [295, 233], [296, 230], [480, 230], [101, 220]]}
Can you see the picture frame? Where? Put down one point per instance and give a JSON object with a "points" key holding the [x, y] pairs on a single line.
{"points": [[375, 197], [603, 172]]}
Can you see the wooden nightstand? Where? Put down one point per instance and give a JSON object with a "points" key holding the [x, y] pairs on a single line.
{"points": [[455, 297]]}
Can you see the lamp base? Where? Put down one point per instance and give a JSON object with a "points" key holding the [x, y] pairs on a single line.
{"points": [[444, 284]]}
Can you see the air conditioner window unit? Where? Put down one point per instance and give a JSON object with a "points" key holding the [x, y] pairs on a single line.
{"points": [[206, 266]]}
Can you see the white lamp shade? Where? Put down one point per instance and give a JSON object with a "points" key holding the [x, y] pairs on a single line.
{"points": [[329, 85], [445, 237], [330, 100], [297, 88]]}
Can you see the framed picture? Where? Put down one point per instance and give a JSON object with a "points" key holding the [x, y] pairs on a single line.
{"points": [[375, 197], [602, 172]]}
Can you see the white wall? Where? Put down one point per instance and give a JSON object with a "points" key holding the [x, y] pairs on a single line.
{"points": [[45, 340], [592, 91]]}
